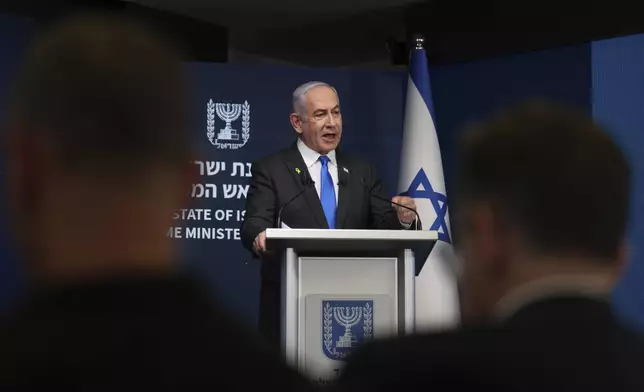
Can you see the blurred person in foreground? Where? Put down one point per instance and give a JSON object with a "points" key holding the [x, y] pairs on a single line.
{"points": [[543, 196], [98, 161]]}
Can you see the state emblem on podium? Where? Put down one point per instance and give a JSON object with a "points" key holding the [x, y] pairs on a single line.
{"points": [[346, 324]]}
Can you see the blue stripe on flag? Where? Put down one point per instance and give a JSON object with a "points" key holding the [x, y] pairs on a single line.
{"points": [[420, 76]]}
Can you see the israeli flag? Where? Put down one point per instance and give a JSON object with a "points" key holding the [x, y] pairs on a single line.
{"points": [[421, 178]]}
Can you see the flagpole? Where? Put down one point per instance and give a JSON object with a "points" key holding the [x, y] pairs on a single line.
{"points": [[418, 42]]}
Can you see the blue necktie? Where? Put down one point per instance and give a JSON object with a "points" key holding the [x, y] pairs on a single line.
{"points": [[327, 192]]}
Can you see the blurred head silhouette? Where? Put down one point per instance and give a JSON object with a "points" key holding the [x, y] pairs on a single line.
{"points": [[542, 191], [98, 149]]}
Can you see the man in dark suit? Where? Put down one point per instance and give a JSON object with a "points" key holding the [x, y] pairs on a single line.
{"points": [[543, 201], [332, 190], [98, 162]]}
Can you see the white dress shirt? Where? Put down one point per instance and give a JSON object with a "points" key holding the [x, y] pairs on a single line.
{"points": [[589, 286], [313, 164]]}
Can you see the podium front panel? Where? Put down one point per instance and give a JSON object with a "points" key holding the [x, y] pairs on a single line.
{"points": [[343, 302]]}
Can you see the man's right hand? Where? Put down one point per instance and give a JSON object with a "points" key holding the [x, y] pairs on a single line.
{"points": [[259, 245]]}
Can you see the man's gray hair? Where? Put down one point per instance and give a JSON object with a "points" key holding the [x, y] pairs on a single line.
{"points": [[300, 92]]}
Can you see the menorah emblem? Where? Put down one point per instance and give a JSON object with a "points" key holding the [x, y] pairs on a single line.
{"points": [[228, 137], [345, 325], [347, 317], [228, 112]]}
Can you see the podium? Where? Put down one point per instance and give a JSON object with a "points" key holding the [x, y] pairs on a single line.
{"points": [[342, 288]]}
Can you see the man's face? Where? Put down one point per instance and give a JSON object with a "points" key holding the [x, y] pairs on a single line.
{"points": [[484, 252], [320, 126]]}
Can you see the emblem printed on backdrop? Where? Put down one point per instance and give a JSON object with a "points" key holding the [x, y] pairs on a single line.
{"points": [[228, 138]]}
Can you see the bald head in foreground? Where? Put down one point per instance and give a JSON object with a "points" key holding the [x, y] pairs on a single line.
{"points": [[98, 162]]}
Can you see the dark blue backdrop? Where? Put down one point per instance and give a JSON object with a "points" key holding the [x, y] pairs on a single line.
{"points": [[15, 34], [471, 91], [372, 103], [618, 102]]}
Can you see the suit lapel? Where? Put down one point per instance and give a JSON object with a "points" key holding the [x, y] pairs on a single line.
{"points": [[344, 192], [295, 165]]}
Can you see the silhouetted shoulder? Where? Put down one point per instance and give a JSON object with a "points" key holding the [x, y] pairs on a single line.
{"points": [[536, 356], [140, 332]]}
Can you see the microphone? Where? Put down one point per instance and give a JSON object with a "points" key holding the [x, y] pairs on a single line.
{"points": [[418, 222], [307, 182]]}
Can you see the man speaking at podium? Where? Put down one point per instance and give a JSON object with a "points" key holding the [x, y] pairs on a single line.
{"points": [[311, 184]]}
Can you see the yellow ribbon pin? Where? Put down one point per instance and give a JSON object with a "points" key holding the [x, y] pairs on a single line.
{"points": [[297, 170]]}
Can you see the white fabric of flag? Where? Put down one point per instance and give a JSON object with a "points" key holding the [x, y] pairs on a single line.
{"points": [[421, 177]]}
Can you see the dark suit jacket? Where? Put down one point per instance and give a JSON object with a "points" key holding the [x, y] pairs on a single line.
{"points": [[275, 180], [142, 333], [562, 344]]}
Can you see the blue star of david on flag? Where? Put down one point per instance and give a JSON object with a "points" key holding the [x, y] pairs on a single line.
{"points": [[421, 188]]}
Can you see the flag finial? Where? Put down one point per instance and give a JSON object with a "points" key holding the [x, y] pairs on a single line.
{"points": [[418, 41]]}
